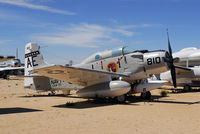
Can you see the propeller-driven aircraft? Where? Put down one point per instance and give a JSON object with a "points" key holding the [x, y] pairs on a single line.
{"points": [[113, 73]]}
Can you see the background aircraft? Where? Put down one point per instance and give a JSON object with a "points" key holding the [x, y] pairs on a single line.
{"points": [[186, 78], [6, 58], [188, 57], [15, 68]]}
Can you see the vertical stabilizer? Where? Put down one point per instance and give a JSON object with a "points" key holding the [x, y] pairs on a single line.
{"points": [[33, 58]]}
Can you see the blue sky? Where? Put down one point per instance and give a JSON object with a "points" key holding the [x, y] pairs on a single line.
{"points": [[74, 29]]}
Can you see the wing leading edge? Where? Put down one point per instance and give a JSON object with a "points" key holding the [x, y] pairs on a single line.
{"points": [[76, 75], [6, 58]]}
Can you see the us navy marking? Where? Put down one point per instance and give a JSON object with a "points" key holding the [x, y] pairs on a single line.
{"points": [[35, 53]]}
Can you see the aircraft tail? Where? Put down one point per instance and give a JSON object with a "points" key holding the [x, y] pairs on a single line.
{"points": [[34, 59]]}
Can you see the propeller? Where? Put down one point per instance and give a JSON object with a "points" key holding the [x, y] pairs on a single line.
{"points": [[170, 62]]}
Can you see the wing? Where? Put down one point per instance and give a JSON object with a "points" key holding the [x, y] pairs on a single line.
{"points": [[5, 58], [75, 75], [11, 68]]}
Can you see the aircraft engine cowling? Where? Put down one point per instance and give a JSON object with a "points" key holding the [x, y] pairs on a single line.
{"points": [[154, 62], [107, 89]]}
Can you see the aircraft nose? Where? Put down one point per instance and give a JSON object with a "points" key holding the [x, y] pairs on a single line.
{"points": [[167, 54], [167, 57]]}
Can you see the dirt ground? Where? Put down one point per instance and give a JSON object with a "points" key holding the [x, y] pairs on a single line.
{"points": [[23, 113]]}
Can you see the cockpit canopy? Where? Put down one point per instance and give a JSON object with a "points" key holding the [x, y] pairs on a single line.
{"points": [[108, 54]]}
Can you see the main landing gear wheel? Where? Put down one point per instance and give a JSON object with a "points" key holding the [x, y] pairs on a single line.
{"points": [[121, 99], [5, 76], [146, 95]]}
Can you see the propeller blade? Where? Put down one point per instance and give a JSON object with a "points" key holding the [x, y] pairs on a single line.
{"points": [[16, 53], [173, 74], [170, 62], [169, 46]]}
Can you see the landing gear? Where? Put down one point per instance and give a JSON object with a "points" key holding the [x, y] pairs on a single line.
{"points": [[146, 95], [5, 76], [187, 88], [121, 99]]}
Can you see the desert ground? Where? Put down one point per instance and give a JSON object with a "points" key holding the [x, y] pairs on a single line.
{"points": [[23, 111]]}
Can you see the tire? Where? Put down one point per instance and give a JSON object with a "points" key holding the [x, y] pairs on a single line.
{"points": [[146, 95], [121, 99], [5, 76]]}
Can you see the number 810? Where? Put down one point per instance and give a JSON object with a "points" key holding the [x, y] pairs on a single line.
{"points": [[155, 60]]}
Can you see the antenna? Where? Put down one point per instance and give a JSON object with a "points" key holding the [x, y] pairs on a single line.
{"points": [[16, 53], [70, 62]]}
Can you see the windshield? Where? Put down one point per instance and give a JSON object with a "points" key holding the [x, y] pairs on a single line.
{"points": [[127, 50]]}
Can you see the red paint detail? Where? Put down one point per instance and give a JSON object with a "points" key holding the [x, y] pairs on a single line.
{"points": [[120, 59], [102, 65]]}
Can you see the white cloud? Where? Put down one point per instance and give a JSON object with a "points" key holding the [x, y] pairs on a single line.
{"points": [[28, 4], [135, 26], [84, 35]]}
